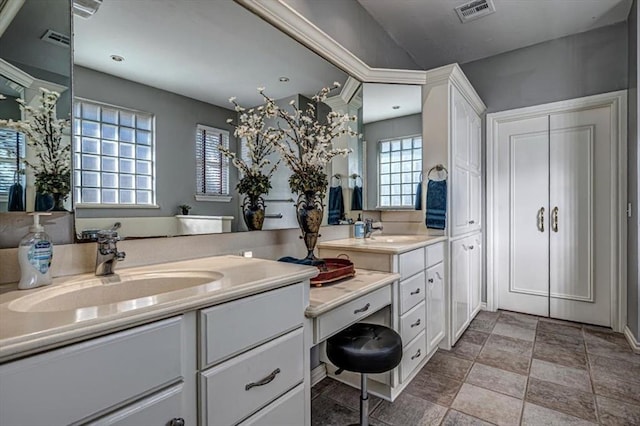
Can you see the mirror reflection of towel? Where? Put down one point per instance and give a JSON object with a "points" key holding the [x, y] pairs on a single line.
{"points": [[356, 201], [436, 204], [418, 203], [16, 198], [336, 205]]}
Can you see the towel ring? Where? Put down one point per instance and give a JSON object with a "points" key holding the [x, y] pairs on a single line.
{"points": [[338, 177], [438, 168], [355, 178]]}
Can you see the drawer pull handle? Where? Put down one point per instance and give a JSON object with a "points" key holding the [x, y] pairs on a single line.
{"points": [[430, 280], [415, 324], [417, 355], [178, 421], [365, 308], [264, 381], [416, 291]]}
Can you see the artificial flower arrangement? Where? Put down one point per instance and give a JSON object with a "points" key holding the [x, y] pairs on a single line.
{"points": [[44, 134]]}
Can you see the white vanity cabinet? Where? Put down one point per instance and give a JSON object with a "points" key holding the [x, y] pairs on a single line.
{"points": [[241, 361], [466, 276]]}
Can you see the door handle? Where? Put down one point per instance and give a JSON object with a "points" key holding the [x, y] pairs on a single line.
{"points": [[541, 219], [554, 219]]}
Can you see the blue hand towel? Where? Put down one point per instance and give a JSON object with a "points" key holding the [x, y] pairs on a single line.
{"points": [[436, 204], [16, 198], [336, 205], [356, 201], [418, 203]]}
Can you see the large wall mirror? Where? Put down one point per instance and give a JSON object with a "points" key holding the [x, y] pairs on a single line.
{"points": [[147, 74], [34, 53]]}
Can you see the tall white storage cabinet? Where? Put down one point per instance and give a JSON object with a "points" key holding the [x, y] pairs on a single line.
{"points": [[452, 127]]}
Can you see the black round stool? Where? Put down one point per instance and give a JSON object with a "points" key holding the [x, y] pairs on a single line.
{"points": [[366, 349]]}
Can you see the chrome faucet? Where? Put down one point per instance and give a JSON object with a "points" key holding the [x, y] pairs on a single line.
{"points": [[107, 254], [369, 228]]}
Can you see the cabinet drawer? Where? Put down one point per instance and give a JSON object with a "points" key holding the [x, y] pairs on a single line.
{"points": [[240, 386], [66, 385], [413, 354], [411, 292], [411, 263], [336, 319], [233, 327], [435, 254], [288, 410], [412, 323], [158, 409]]}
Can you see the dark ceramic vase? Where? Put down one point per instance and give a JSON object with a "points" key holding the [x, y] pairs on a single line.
{"points": [[44, 202], [58, 203], [253, 212], [309, 211]]}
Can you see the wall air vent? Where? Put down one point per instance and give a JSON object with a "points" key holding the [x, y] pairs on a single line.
{"points": [[475, 9], [56, 38]]}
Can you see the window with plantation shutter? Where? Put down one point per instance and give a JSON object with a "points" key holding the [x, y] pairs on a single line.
{"points": [[212, 167], [11, 150]]}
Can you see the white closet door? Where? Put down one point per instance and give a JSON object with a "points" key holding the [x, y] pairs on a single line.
{"points": [[521, 207], [580, 193]]}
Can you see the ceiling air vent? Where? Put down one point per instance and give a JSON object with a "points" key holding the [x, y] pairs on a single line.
{"points": [[474, 10], [56, 38]]}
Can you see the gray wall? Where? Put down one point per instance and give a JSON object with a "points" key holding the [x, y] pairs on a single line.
{"points": [[633, 301], [176, 120], [570, 67], [379, 130], [354, 28]]}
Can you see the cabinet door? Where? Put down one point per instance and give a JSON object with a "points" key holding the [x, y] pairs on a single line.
{"points": [[459, 129], [459, 287], [475, 142], [435, 306], [162, 408], [461, 194], [474, 219], [475, 274]]}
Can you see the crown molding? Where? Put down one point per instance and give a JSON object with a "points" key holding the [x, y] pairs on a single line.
{"points": [[454, 74], [15, 74], [9, 11], [288, 20]]}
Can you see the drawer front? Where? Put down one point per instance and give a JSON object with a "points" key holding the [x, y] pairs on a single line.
{"points": [[412, 292], [413, 354], [336, 319], [288, 410], [411, 263], [66, 385], [242, 385], [158, 409], [233, 327], [412, 323], [435, 254]]}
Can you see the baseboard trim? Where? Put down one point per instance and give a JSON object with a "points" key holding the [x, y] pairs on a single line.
{"points": [[635, 345], [483, 306], [318, 373]]}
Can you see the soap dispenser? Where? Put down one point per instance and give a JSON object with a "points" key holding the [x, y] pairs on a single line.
{"points": [[34, 256], [358, 228]]}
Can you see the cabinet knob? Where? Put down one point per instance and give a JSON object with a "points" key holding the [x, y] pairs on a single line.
{"points": [[471, 222], [430, 280], [470, 247], [178, 421]]}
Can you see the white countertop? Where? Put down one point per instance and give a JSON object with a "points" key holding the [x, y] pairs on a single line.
{"points": [[22, 333], [325, 298], [391, 244]]}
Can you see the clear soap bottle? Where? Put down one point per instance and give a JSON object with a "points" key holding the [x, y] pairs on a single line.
{"points": [[34, 256]]}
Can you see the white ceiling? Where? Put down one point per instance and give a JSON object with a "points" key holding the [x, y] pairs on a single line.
{"points": [[432, 34], [379, 100], [203, 49]]}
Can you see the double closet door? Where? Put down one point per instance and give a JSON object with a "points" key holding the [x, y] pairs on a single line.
{"points": [[554, 216]]}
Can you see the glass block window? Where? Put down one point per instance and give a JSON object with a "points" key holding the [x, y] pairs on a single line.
{"points": [[399, 165], [114, 155], [212, 168], [12, 150]]}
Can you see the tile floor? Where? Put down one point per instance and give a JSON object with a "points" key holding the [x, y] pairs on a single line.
{"points": [[507, 369]]}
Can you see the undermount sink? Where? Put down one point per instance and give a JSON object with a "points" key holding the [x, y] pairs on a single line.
{"points": [[137, 290]]}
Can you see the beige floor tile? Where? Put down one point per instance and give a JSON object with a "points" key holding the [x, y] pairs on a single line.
{"points": [[474, 336], [456, 418], [488, 405], [561, 354], [514, 331], [561, 398], [325, 411], [509, 344], [498, 380], [434, 387], [466, 350], [616, 368], [350, 397], [520, 320], [504, 360], [448, 365], [535, 415], [614, 412], [409, 410], [611, 386], [567, 376]]}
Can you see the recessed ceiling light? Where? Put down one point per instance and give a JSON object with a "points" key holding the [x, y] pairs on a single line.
{"points": [[284, 79], [396, 107], [117, 58]]}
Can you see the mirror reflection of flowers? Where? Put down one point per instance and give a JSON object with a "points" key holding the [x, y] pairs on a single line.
{"points": [[260, 140], [44, 133], [306, 141]]}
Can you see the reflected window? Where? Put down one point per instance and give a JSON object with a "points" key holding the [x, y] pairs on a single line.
{"points": [[399, 166], [114, 155], [212, 167], [12, 152]]}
